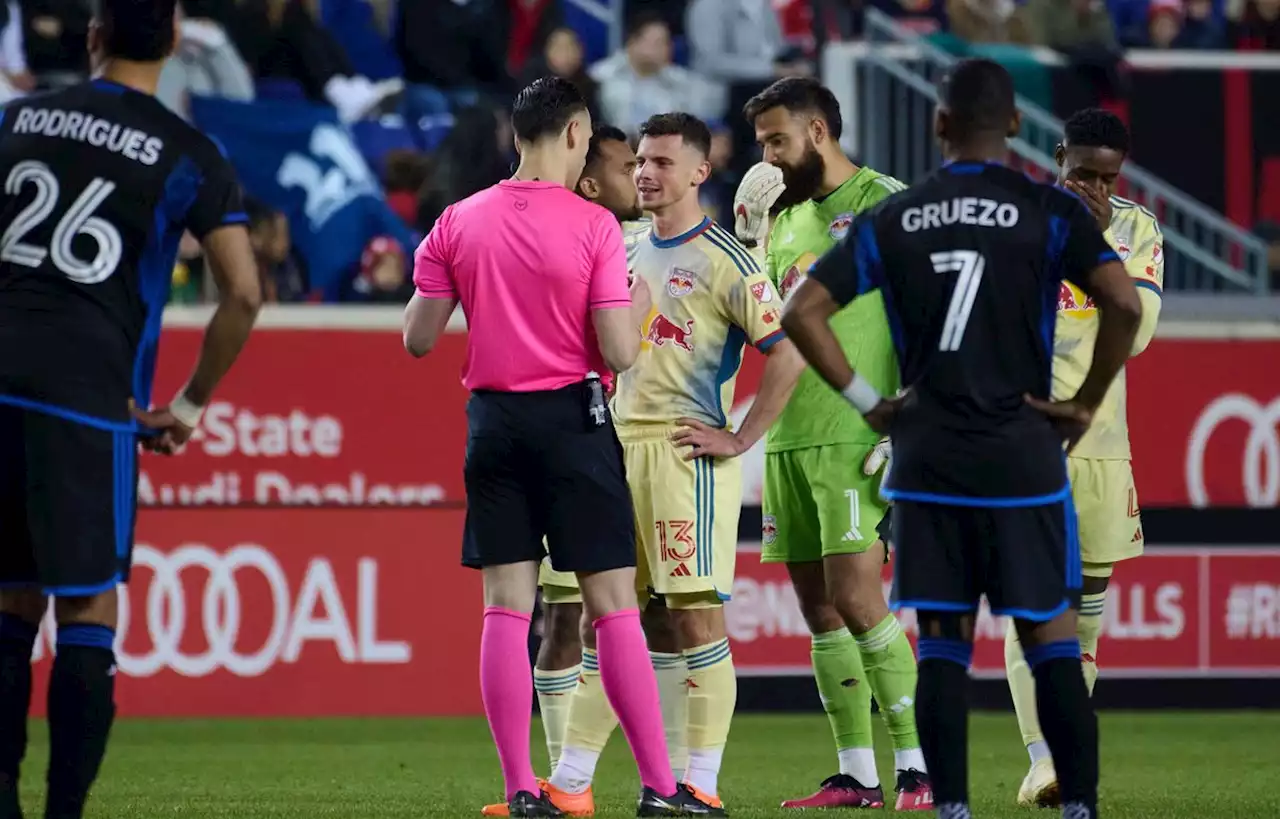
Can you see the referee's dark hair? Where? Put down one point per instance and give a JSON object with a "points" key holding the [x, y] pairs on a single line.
{"points": [[601, 134], [1096, 128], [798, 95], [544, 108], [975, 101], [137, 30], [689, 128]]}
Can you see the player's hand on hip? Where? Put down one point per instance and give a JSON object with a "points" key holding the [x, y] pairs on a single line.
{"points": [[877, 457], [1070, 419], [1098, 205], [168, 434], [705, 440], [881, 419], [758, 191]]}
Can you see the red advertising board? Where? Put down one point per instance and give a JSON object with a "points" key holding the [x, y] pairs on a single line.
{"points": [[1174, 612], [345, 417], [309, 612]]}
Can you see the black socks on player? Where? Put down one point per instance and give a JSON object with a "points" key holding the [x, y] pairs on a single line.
{"points": [[17, 638], [942, 717], [81, 708], [1069, 724]]}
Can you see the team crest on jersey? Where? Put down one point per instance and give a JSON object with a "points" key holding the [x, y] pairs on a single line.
{"points": [[679, 283], [840, 225], [762, 292], [1123, 251], [768, 530]]}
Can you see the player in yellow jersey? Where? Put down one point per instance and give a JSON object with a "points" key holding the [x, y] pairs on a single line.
{"points": [[710, 299], [1090, 157]]}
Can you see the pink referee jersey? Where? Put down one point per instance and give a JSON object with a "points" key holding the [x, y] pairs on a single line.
{"points": [[529, 261]]}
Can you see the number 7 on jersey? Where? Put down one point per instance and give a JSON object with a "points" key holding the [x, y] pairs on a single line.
{"points": [[969, 264]]}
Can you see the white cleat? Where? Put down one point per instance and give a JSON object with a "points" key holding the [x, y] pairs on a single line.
{"points": [[1040, 786]]}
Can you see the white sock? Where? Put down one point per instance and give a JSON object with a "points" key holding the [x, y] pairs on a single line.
{"points": [[860, 763], [576, 769], [1038, 751], [704, 769], [908, 759]]}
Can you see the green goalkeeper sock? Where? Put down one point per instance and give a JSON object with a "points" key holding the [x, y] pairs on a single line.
{"points": [[891, 669], [846, 697]]}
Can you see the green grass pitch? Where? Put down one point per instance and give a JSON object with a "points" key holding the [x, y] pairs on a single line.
{"points": [[1167, 765]]}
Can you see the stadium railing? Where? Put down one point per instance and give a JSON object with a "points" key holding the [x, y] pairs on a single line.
{"points": [[888, 84]]}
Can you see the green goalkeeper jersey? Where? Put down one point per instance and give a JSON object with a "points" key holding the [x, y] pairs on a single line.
{"points": [[817, 415]]}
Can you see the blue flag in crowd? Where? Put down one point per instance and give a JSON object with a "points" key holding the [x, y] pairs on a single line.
{"points": [[299, 159]]}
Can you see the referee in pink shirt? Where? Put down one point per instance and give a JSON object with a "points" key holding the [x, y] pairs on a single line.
{"points": [[542, 278]]}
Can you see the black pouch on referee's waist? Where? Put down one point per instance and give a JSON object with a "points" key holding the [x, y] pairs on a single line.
{"points": [[596, 408]]}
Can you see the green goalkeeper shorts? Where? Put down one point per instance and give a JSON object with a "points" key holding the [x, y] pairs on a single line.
{"points": [[817, 503]]}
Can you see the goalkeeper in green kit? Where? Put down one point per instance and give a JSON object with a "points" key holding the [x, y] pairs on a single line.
{"points": [[823, 464]]}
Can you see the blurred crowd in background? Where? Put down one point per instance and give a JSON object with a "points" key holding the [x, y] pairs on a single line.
{"points": [[413, 94]]}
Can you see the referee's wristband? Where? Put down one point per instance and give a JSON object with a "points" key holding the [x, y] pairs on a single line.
{"points": [[861, 394], [185, 412]]}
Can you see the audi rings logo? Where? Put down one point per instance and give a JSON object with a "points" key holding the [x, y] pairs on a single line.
{"points": [[1261, 466]]}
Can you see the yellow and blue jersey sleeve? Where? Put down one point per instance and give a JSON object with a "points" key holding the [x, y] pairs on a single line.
{"points": [[747, 297]]}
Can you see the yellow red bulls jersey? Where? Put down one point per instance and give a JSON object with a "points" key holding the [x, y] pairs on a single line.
{"points": [[710, 299], [632, 234], [1135, 236]]}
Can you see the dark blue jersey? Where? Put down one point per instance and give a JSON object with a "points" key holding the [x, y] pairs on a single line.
{"points": [[969, 263], [100, 182]]}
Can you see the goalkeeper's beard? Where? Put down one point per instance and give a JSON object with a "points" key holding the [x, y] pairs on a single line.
{"points": [[802, 179]]}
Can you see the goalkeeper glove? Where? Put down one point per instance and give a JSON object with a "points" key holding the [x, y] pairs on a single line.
{"points": [[877, 457], [759, 189]]}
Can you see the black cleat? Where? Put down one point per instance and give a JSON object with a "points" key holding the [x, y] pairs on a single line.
{"points": [[682, 803], [527, 804]]}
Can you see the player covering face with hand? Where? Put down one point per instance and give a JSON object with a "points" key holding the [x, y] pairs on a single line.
{"points": [[1089, 158], [822, 461]]}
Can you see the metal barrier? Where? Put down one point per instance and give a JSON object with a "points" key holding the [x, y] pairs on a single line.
{"points": [[889, 85]]}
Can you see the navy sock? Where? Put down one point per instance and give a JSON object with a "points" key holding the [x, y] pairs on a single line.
{"points": [[942, 717], [81, 708], [17, 638], [1069, 723]]}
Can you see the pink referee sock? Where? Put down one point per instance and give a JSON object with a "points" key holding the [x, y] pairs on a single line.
{"points": [[506, 688], [627, 676]]}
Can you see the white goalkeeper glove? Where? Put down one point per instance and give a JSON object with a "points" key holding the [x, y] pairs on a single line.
{"points": [[877, 458], [757, 192]]}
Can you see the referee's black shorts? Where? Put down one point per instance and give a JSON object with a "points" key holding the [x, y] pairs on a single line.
{"points": [[536, 468], [1026, 560], [68, 500]]}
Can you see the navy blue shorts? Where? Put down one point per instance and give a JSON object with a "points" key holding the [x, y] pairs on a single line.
{"points": [[537, 469], [68, 501], [1026, 560]]}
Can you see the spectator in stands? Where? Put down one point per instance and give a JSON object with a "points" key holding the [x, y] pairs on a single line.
{"points": [[716, 194], [383, 277], [406, 176], [1257, 24], [563, 57], [54, 35], [1198, 26], [457, 49], [740, 41], [921, 16], [205, 62], [987, 21], [15, 79], [640, 80], [1072, 26], [281, 40], [470, 159], [278, 270]]}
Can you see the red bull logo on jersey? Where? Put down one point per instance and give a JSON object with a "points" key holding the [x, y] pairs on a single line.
{"points": [[1071, 300], [680, 283], [663, 329], [840, 225]]}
